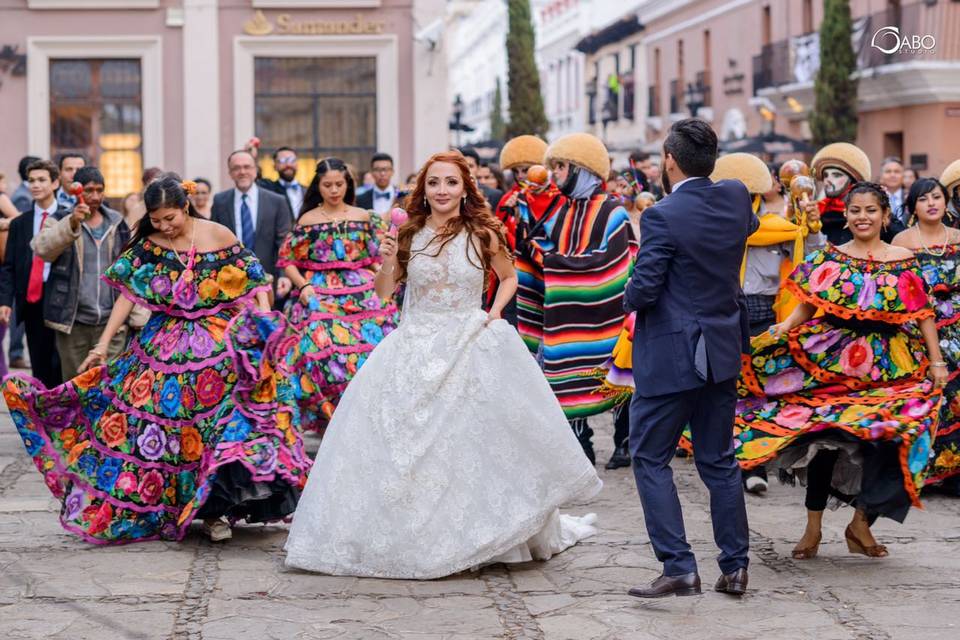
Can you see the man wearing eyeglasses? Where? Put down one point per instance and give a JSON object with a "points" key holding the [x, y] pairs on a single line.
{"points": [[381, 197], [285, 162]]}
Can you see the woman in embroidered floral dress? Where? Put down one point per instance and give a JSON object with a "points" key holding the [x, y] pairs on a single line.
{"points": [[842, 401], [191, 421], [331, 257], [937, 248]]}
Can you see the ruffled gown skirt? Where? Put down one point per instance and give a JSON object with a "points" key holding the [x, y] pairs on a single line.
{"points": [[190, 421], [849, 386], [448, 451]]}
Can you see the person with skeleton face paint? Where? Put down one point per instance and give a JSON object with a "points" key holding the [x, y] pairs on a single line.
{"points": [[584, 254], [838, 167], [950, 178]]}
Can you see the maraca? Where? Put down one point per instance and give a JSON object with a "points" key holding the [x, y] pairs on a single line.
{"points": [[791, 169], [76, 190], [800, 185], [397, 217], [537, 175]]}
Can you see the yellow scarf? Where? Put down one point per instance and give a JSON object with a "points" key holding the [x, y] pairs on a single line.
{"points": [[775, 229]]}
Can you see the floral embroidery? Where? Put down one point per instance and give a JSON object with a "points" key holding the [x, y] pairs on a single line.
{"points": [[132, 447], [331, 338]]}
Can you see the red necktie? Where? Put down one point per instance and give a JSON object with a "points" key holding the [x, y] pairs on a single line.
{"points": [[35, 284]]}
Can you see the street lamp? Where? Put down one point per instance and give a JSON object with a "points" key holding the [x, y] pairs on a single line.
{"points": [[695, 97], [457, 116]]}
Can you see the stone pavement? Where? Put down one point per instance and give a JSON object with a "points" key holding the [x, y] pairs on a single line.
{"points": [[54, 586]]}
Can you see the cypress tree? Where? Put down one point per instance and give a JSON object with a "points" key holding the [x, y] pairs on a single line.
{"points": [[498, 127], [523, 81], [834, 116]]}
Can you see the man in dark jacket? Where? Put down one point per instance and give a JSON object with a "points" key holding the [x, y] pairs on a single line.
{"points": [[80, 245], [261, 219], [286, 185], [690, 332], [23, 275]]}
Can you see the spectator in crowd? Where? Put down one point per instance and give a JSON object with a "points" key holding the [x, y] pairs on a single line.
{"points": [[80, 245], [909, 177], [150, 174], [201, 199], [261, 219], [68, 164], [22, 200], [383, 195], [365, 183], [286, 164], [891, 179], [7, 208], [132, 209], [411, 182], [21, 195], [490, 175], [493, 196], [23, 274]]}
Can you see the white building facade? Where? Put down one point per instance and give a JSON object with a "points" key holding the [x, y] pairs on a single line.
{"points": [[476, 61]]}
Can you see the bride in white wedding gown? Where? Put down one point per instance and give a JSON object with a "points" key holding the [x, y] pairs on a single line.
{"points": [[448, 450]]}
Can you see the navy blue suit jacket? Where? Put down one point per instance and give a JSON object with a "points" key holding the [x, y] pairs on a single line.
{"points": [[691, 313]]}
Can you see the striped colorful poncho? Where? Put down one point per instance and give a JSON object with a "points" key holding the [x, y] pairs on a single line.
{"points": [[587, 256]]}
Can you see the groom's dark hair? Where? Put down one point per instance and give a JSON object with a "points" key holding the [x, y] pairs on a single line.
{"points": [[693, 145]]}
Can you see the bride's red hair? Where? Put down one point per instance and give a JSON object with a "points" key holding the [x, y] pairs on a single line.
{"points": [[475, 216]]}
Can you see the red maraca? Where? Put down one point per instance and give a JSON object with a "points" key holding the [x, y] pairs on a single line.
{"points": [[76, 190], [397, 217]]}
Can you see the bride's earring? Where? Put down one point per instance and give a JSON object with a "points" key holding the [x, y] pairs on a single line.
{"points": [[424, 200]]}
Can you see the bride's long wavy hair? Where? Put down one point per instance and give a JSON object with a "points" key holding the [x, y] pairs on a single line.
{"points": [[475, 216]]}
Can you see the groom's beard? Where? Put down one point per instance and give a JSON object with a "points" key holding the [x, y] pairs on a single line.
{"points": [[665, 183]]}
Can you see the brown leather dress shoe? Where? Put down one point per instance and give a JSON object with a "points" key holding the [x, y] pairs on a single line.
{"points": [[733, 583], [686, 585]]}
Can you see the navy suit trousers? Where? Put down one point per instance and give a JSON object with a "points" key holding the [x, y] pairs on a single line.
{"points": [[656, 424]]}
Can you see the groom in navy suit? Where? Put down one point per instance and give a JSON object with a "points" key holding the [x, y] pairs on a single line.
{"points": [[690, 332]]}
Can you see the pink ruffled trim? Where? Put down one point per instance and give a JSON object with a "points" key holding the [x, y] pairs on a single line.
{"points": [[362, 315], [176, 368], [339, 292], [170, 310], [313, 265]]}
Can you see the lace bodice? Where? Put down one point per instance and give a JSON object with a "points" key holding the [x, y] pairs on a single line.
{"points": [[448, 282]]}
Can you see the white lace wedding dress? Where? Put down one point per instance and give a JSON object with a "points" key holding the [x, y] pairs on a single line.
{"points": [[448, 450]]}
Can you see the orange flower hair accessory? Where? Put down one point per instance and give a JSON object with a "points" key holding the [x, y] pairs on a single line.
{"points": [[189, 186]]}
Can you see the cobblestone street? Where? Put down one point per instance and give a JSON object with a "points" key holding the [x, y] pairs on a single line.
{"points": [[54, 586]]}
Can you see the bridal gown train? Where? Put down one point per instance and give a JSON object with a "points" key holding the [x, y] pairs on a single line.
{"points": [[448, 450]]}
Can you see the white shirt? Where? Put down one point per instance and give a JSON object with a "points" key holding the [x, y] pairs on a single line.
{"points": [[382, 205], [37, 219], [684, 181], [253, 197], [294, 192]]}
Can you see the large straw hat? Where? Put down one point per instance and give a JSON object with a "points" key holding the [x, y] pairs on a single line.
{"points": [[950, 178], [581, 149], [745, 167], [522, 150], [844, 155]]}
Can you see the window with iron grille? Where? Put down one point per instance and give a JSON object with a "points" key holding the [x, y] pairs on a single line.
{"points": [[320, 107], [95, 110]]}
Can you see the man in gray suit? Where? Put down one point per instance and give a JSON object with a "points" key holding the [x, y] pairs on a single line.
{"points": [[260, 218]]}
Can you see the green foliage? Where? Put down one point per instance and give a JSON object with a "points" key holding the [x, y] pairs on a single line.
{"points": [[834, 116], [498, 126], [523, 84]]}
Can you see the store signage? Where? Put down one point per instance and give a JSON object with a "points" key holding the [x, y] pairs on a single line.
{"points": [[287, 25]]}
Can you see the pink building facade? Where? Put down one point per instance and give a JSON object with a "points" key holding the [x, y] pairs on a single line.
{"points": [[180, 83], [754, 62]]}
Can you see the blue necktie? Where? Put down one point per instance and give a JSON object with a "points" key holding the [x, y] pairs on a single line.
{"points": [[246, 223], [381, 194]]}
